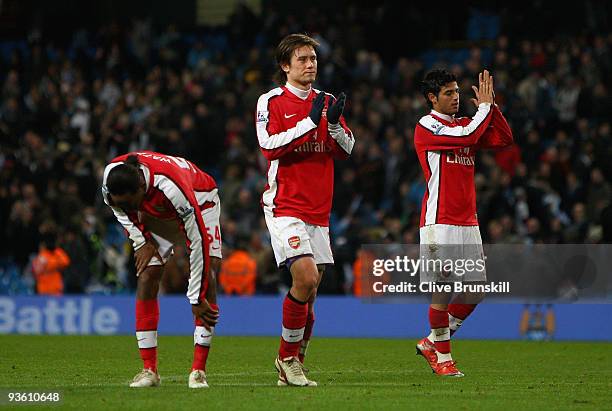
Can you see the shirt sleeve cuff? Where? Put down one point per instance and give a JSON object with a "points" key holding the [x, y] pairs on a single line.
{"points": [[334, 127]]}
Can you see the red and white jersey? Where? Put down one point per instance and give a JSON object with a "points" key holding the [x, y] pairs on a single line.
{"points": [[446, 147], [175, 190], [300, 155]]}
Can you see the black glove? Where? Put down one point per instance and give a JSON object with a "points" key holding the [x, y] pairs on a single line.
{"points": [[317, 108], [335, 110]]}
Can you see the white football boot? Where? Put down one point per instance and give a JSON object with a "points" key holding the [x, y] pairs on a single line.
{"points": [[146, 378], [197, 379], [291, 372]]}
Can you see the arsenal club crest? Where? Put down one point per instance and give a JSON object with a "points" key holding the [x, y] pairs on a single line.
{"points": [[294, 242]]}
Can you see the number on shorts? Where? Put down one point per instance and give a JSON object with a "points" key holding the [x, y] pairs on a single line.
{"points": [[210, 236]]}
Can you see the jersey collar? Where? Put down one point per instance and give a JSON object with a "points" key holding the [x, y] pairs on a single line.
{"points": [[444, 117], [303, 94]]}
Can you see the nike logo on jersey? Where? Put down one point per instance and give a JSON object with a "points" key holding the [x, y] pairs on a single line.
{"points": [[290, 115]]}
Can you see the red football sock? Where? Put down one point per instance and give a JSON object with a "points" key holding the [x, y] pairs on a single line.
{"points": [[439, 325], [295, 313], [202, 339], [147, 319], [457, 313], [310, 319]]}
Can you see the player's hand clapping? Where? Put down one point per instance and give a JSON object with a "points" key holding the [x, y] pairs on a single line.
{"points": [[206, 313], [317, 108], [335, 110], [144, 254], [484, 93]]}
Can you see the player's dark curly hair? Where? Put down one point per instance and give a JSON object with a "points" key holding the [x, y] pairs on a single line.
{"points": [[285, 50], [434, 80], [125, 178]]}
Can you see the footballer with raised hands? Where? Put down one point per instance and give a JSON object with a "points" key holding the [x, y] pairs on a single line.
{"points": [[300, 131], [161, 201], [446, 147]]}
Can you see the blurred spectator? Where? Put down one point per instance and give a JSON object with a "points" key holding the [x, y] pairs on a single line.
{"points": [[48, 265], [238, 273], [76, 275], [70, 106], [22, 230]]}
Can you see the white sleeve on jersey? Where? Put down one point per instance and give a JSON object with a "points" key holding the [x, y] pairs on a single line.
{"points": [[344, 139], [137, 236], [185, 211], [282, 137]]}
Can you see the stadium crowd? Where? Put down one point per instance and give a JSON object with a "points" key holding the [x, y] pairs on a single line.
{"points": [[66, 109]]}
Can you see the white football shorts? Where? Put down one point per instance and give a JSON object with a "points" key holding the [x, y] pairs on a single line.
{"points": [[462, 245], [292, 237]]}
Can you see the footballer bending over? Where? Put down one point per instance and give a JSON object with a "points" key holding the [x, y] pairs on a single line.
{"points": [[161, 201]]}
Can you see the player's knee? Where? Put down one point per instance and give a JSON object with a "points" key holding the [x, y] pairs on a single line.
{"points": [[311, 283], [305, 275], [307, 283]]}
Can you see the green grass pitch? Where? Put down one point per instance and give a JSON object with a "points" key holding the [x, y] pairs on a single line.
{"points": [[93, 373]]}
